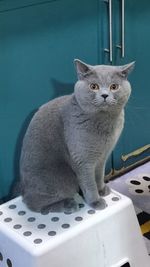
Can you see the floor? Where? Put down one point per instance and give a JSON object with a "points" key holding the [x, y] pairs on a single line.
{"points": [[136, 185]]}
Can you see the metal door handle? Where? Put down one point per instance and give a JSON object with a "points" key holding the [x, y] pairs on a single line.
{"points": [[109, 2], [122, 46]]}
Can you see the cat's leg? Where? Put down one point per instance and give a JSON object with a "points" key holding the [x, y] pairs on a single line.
{"points": [[41, 202], [68, 205], [103, 189], [87, 182], [52, 189], [36, 201]]}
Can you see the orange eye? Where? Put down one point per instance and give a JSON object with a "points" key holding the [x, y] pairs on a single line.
{"points": [[94, 86], [114, 86]]}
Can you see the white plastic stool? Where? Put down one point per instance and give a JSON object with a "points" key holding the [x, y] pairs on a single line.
{"points": [[87, 238]]}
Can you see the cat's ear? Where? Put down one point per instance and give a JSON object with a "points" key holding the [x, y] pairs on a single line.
{"points": [[126, 69], [82, 68]]}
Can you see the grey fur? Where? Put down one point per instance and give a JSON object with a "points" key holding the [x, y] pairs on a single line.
{"points": [[69, 139]]}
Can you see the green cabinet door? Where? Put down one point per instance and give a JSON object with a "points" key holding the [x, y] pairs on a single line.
{"points": [[133, 145], [38, 43]]}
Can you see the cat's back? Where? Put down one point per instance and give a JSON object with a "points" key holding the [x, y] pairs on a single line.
{"points": [[53, 106], [49, 113], [55, 103], [46, 126]]}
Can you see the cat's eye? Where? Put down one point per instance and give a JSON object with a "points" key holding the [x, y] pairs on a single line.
{"points": [[114, 86], [94, 86]]}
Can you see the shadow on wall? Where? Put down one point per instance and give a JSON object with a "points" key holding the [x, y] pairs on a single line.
{"points": [[15, 188], [59, 89]]}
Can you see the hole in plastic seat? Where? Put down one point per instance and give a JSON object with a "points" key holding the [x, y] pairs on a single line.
{"points": [[1, 257], [127, 264], [9, 263]]}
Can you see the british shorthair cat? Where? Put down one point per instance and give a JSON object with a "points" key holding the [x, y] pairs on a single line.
{"points": [[70, 138]]}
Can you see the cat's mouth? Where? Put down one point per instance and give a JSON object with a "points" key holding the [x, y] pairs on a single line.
{"points": [[106, 103], [109, 102]]}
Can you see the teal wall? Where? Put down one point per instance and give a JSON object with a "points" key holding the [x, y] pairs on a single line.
{"points": [[39, 40], [38, 44]]}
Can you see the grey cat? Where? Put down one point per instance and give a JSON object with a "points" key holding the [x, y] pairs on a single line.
{"points": [[70, 138]]}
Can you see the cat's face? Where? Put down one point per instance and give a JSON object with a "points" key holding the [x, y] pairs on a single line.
{"points": [[102, 87]]}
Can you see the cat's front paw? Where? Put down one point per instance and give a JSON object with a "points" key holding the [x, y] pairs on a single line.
{"points": [[99, 204], [70, 206], [105, 191]]}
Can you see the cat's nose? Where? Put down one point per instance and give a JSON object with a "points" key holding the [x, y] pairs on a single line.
{"points": [[104, 96]]}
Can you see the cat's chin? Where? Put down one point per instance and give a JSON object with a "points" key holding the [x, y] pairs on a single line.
{"points": [[105, 105], [108, 107], [104, 108]]}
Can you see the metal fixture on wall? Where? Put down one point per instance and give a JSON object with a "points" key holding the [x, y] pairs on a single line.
{"points": [[135, 153], [122, 46], [115, 173], [110, 50]]}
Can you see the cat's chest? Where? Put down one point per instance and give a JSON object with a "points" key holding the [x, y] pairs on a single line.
{"points": [[99, 134], [91, 136], [98, 128]]}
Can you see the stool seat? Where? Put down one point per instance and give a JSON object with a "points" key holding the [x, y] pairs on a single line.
{"points": [[86, 238]]}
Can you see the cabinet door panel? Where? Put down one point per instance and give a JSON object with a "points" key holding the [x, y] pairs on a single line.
{"points": [[37, 47], [136, 133]]}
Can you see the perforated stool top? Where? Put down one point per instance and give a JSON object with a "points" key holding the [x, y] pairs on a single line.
{"points": [[88, 237], [38, 229]]}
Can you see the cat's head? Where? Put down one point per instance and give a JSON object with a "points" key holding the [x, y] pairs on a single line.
{"points": [[102, 87]]}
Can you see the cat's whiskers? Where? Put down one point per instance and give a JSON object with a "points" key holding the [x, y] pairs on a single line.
{"points": [[96, 103], [113, 101]]}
